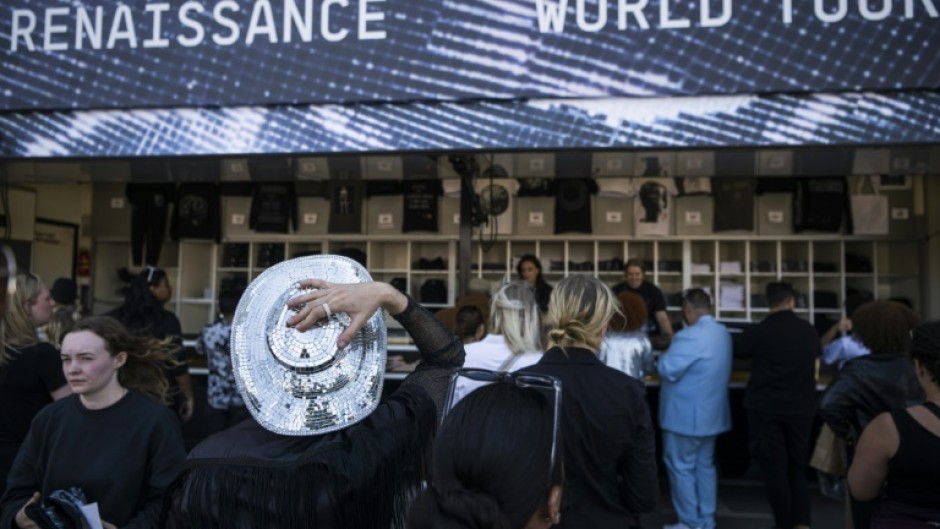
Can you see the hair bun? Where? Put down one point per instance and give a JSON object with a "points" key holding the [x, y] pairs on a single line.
{"points": [[557, 335]]}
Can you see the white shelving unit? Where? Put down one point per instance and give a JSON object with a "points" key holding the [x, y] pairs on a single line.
{"points": [[823, 268], [818, 267]]}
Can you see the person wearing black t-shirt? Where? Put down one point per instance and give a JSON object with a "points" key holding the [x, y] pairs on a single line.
{"points": [[780, 401], [657, 325], [30, 371]]}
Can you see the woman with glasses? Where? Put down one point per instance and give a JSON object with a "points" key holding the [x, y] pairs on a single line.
{"points": [[30, 371], [142, 312], [611, 469], [513, 340], [495, 461]]}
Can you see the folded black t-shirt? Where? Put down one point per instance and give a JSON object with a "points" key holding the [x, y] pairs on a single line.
{"points": [[420, 205], [573, 204]]}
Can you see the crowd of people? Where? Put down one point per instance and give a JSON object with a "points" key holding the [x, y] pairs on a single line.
{"points": [[527, 407]]}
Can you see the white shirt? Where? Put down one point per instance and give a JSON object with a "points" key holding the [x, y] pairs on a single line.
{"points": [[493, 354]]}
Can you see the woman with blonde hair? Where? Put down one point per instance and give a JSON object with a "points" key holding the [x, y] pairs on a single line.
{"points": [[30, 370], [611, 470], [512, 341], [114, 439]]}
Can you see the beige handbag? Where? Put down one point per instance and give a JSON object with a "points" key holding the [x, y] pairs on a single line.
{"points": [[829, 454]]}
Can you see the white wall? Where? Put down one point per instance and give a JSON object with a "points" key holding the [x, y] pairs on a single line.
{"points": [[63, 202], [22, 202]]}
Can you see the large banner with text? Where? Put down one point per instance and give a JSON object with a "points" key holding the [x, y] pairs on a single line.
{"points": [[100, 54]]}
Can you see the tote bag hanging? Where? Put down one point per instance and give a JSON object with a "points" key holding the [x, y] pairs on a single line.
{"points": [[869, 209]]}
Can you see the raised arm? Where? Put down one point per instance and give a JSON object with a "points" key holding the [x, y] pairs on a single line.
{"points": [[441, 351]]}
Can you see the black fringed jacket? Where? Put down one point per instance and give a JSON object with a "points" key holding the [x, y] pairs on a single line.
{"points": [[361, 477]]}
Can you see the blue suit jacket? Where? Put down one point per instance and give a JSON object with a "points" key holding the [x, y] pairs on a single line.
{"points": [[695, 373]]}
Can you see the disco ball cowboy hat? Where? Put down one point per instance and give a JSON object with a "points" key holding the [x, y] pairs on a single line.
{"points": [[300, 383]]}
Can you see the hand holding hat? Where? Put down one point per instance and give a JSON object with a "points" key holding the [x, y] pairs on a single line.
{"points": [[309, 354], [358, 300]]}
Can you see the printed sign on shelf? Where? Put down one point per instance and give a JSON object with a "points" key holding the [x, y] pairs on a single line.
{"points": [[536, 218]]}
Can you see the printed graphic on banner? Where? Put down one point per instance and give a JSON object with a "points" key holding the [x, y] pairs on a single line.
{"points": [[852, 118], [146, 53]]}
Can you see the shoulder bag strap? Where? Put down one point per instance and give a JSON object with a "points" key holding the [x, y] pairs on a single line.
{"points": [[509, 362], [933, 408]]}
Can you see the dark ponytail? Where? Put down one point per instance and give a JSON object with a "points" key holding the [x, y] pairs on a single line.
{"points": [[925, 347], [141, 311], [492, 462]]}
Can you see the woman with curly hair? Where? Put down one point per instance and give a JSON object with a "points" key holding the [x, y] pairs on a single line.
{"points": [[897, 459], [114, 438], [867, 386], [625, 347]]}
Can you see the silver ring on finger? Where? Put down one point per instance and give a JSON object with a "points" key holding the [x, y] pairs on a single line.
{"points": [[327, 311]]}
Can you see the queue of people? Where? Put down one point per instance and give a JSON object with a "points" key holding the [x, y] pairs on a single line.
{"points": [[542, 408]]}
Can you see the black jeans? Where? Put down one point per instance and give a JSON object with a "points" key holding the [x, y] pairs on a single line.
{"points": [[779, 445]]}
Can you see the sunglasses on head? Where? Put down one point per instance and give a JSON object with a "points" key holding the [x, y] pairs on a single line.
{"points": [[151, 270], [548, 386]]}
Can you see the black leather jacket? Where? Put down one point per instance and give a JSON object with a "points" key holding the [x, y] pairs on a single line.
{"points": [[865, 387]]}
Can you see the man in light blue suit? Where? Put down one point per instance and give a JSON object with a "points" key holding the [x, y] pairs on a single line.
{"points": [[694, 409]]}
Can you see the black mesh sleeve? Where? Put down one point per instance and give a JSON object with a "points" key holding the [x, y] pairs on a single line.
{"points": [[441, 351]]}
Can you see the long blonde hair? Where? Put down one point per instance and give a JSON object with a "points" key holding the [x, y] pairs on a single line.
{"points": [[18, 328], [514, 313], [579, 309], [62, 321]]}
